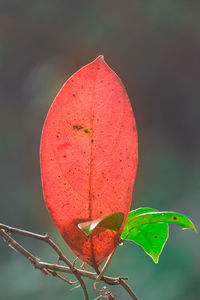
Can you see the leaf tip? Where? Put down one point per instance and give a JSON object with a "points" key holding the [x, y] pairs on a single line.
{"points": [[100, 57], [194, 228], [155, 256], [191, 227], [84, 227], [156, 260]]}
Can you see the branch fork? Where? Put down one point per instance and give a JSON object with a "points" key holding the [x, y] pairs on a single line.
{"points": [[53, 269]]}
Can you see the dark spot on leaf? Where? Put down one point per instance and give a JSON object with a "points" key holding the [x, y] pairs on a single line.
{"points": [[64, 156], [92, 141], [86, 130], [155, 236], [78, 127], [64, 183], [100, 212], [74, 95], [175, 218]]}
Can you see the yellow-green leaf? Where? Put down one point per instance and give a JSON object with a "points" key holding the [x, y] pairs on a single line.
{"points": [[112, 222]]}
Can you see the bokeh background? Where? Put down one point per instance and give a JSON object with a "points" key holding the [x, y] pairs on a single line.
{"points": [[154, 46]]}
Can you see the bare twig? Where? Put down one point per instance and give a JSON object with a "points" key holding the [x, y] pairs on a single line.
{"points": [[44, 238], [128, 289], [53, 269], [105, 266], [17, 247]]}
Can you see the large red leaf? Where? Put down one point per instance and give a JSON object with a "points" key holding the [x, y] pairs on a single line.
{"points": [[89, 158]]}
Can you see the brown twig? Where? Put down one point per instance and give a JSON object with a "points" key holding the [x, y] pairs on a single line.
{"points": [[127, 288], [105, 266], [53, 269], [44, 238]]}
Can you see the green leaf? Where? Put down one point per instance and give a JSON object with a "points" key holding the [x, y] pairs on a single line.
{"points": [[160, 217], [112, 222], [152, 237], [149, 228]]}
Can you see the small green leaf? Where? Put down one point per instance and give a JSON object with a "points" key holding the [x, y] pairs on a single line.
{"points": [[161, 217], [112, 222], [152, 237], [149, 228]]}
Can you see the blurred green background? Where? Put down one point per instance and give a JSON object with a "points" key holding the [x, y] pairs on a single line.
{"points": [[154, 46]]}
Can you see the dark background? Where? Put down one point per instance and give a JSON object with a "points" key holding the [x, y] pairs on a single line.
{"points": [[154, 46]]}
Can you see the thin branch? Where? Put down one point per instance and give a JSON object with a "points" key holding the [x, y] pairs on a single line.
{"points": [[52, 269], [44, 238], [128, 289], [105, 266], [17, 247]]}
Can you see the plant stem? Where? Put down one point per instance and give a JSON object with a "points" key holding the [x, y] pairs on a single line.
{"points": [[52, 269], [105, 266], [29, 256]]}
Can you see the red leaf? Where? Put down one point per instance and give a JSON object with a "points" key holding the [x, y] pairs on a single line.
{"points": [[89, 158]]}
